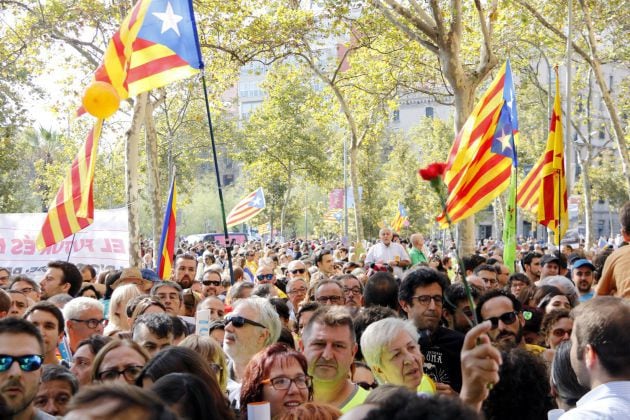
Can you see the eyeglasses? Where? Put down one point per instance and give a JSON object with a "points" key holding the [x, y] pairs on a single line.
{"points": [[301, 291], [561, 332], [353, 290], [92, 323], [130, 373], [332, 299], [26, 290], [426, 299], [298, 271], [27, 363], [211, 282], [282, 383], [507, 318], [239, 321], [262, 277]]}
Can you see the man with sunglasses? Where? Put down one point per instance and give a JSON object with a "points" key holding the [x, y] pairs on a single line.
{"points": [[505, 312], [266, 275], [21, 349], [421, 297], [252, 325], [211, 282]]}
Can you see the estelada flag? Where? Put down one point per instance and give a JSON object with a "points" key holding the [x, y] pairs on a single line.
{"points": [[73, 206], [156, 44], [480, 161], [247, 208]]}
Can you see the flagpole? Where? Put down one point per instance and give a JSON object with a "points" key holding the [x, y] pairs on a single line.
{"points": [[71, 246], [228, 245]]}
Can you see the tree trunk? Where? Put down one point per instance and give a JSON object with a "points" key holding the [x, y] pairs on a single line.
{"points": [[153, 179], [622, 147], [131, 177], [354, 182], [464, 104], [285, 203]]}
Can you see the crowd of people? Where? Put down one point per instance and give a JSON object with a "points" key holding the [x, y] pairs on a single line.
{"points": [[318, 330]]}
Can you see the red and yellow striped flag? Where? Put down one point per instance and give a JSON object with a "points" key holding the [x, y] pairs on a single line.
{"points": [[73, 207], [480, 161], [156, 44], [544, 190]]}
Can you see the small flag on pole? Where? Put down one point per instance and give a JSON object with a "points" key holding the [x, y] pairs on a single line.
{"points": [[165, 261], [544, 190], [73, 207], [247, 208], [400, 219], [332, 216]]}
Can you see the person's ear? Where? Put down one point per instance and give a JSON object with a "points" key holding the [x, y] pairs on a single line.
{"points": [[590, 356]]}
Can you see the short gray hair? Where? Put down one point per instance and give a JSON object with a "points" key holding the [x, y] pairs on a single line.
{"points": [[267, 316], [565, 286], [73, 309], [378, 335]]}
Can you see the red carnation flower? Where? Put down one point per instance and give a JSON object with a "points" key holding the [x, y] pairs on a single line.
{"points": [[433, 171]]}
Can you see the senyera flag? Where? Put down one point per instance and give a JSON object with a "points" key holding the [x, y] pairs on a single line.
{"points": [[73, 206], [247, 208], [480, 161], [156, 44], [165, 261], [544, 190]]}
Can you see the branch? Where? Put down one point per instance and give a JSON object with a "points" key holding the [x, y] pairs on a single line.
{"points": [[405, 29], [439, 23], [487, 60], [553, 29], [456, 23]]}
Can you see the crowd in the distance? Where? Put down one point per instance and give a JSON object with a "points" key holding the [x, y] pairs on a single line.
{"points": [[319, 331]]}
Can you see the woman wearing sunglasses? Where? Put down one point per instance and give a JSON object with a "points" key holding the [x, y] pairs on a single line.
{"points": [[119, 360], [278, 375]]}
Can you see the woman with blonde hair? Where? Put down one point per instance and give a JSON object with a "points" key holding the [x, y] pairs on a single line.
{"points": [[212, 352], [118, 320]]}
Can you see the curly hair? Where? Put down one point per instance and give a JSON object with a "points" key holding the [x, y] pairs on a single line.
{"points": [[550, 319], [312, 411], [523, 391], [259, 366]]}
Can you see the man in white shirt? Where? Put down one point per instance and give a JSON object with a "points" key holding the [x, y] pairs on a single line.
{"points": [[600, 358], [388, 252]]}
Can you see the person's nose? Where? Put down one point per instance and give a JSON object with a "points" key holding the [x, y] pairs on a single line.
{"points": [[293, 388], [328, 352], [50, 407]]}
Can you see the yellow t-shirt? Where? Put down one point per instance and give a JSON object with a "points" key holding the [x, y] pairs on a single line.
{"points": [[427, 386], [357, 399]]}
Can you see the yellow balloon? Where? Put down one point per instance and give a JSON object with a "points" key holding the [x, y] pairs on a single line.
{"points": [[101, 100]]}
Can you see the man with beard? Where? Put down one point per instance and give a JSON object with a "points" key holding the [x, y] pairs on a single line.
{"points": [[21, 346], [421, 297], [582, 276], [505, 312], [600, 358], [211, 282], [531, 266], [457, 310], [185, 270], [61, 277]]}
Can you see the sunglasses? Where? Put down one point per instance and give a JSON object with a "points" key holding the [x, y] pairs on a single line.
{"points": [[211, 283], [28, 363], [262, 277], [239, 321], [507, 318], [298, 271]]}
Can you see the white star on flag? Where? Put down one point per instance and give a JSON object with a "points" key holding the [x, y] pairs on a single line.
{"points": [[169, 19]]}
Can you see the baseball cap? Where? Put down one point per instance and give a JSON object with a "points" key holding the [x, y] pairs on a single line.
{"points": [[547, 258], [583, 263]]}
